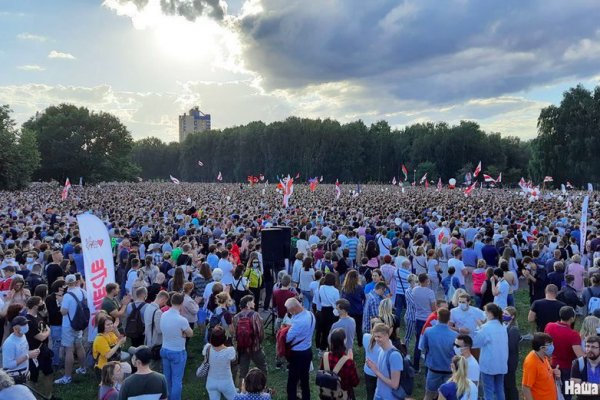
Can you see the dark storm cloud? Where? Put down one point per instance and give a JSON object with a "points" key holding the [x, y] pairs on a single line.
{"points": [[190, 9], [426, 50]]}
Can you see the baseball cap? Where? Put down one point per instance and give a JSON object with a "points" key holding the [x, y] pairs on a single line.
{"points": [[70, 278], [19, 321]]}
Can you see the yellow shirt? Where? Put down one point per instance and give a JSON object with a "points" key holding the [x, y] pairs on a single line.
{"points": [[538, 376], [102, 345]]}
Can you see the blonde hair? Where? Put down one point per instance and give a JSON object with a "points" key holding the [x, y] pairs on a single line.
{"points": [[459, 376], [386, 312], [459, 292], [378, 327], [589, 326]]}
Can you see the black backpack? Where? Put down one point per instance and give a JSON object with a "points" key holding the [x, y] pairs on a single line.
{"points": [[407, 375], [135, 323], [81, 319]]}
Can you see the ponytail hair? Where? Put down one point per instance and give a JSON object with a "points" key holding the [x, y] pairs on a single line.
{"points": [[459, 376]]}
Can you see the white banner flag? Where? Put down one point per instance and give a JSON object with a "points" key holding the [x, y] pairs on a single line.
{"points": [[583, 224], [97, 259]]}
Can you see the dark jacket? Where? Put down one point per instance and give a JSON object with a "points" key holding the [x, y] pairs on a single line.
{"points": [[568, 295]]}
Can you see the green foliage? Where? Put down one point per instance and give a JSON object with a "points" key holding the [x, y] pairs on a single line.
{"points": [[75, 142], [568, 142], [19, 156], [153, 156]]}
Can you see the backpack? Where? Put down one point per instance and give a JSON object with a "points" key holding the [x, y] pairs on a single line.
{"points": [[326, 267], [451, 289], [593, 303], [81, 319], [282, 348], [215, 320], [328, 380], [407, 376], [244, 333], [135, 327]]}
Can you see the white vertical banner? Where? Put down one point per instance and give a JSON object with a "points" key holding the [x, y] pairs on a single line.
{"points": [[583, 224], [97, 259]]}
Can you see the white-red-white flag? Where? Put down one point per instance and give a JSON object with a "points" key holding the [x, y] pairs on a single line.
{"points": [[174, 180], [548, 179], [423, 179], [477, 170], [499, 180], [394, 181], [470, 189], [488, 178], [338, 191], [65, 191], [439, 185], [523, 184], [288, 189], [569, 186], [219, 177]]}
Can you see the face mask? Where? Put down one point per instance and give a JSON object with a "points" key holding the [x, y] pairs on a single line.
{"points": [[255, 264], [458, 351], [24, 329], [464, 306], [29, 260], [336, 312], [550, 349], [41, 307], [506, 318]]}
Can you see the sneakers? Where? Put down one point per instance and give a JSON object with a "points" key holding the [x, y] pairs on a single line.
{"points": [[80, 371], [65, 380]]}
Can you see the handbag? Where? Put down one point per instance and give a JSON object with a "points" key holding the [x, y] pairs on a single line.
{"points": [[202, 371]]}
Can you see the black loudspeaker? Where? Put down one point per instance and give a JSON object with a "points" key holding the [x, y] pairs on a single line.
{"points": [[273, 249], [287, 242]]}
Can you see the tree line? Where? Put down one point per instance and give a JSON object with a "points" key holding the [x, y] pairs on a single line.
{"points": [[70, 141]]}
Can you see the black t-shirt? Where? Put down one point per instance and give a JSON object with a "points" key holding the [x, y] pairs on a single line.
{"points": [[53, 272], [152, 385], [54, 315], [546, 311], [36, 324]]}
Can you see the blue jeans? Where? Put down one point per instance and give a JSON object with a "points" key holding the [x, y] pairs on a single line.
{"points": [[417, 353], [400, 304], [173, 369], [493, 386], [55, 336], [307, 299]]}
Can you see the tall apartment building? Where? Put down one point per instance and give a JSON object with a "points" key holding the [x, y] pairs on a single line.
{"points": [[195, 121]]}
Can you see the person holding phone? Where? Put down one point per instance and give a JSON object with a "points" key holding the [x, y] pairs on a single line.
{"points": [[37, 338]]}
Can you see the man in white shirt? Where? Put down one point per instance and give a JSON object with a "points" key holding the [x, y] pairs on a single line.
{"points": [[227, 267], [464, 318], [152, 316], [175, 328], [459, 267], [385, 244], [462, 347], [15, 351]]}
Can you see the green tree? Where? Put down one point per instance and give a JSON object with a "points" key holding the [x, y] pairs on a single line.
{"points": [[19, 156], [74, 142]]}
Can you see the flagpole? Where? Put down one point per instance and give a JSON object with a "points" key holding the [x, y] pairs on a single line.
{"points": [[415, 177]]}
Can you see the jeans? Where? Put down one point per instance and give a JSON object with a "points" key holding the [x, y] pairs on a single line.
{"points": [[55, 335], [493, 386], [298, 371], [173, 369], [307, 299], [400, 304], [417, 353]]}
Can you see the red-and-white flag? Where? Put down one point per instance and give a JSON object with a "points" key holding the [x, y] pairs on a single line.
{"points": [[338, 191], [439, 185], [470, 189], [426, 184], [287, 185], [405, 172], [394, 181], [65, 191], [423, 179], [548, 179], [569, 186], [297, 175], [488, 178], [477, 170], [174, 180], [523, 184], [219, 177], [499, 180]]}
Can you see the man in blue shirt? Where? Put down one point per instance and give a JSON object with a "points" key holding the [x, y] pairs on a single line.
{"points": [[300, 338], [438, 345], [470, 256], [489, 253]]}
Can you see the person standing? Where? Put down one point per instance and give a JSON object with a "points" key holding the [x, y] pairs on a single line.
{"points": [[299, 337], [567, 344], [16, 353], [344, 322], [37, 338], [249, 335], [459, 386], [71, 339], [175, 328], [424, 300], [463, 347], [438, 345], [388, 367], [353, 291], [371, 309], [538, 375], [546, 310], [328, 296], [152, 333], [219, 381], [587, 368], [514, 337], [145, 383]]}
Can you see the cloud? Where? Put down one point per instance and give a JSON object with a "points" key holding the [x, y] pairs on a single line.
{"points": [[32, 37], [189, 9], [31, 67], [58, 54]]}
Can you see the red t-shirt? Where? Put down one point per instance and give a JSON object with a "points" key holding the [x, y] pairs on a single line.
{"points": [[564, 338], [280, 296], [428, 324]]}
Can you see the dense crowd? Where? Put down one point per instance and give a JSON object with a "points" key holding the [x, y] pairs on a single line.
{"points": [[424, 281]]}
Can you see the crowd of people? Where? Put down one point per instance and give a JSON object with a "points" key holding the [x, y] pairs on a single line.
{"points": [[423, 281]]}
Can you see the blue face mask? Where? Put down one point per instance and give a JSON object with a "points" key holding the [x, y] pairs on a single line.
{"points": [[24, 329], [550, 349]]}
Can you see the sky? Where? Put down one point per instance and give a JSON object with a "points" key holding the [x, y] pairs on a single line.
{"points": [[148, 61]]}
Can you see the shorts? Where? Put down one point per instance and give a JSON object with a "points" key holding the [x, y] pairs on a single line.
{"points": [[434, 380], [70, 337]]}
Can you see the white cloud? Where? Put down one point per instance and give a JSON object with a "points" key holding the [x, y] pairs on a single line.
{"points": [[32, 37], [58, 54], [31, 67]]}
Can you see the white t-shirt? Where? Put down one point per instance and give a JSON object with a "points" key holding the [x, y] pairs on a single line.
{"points": [[502, 299], [473, 369], [172, 324], [328, 295], [303, 247], [467, 319], [458, 266], [227, 268], [314, 288]]}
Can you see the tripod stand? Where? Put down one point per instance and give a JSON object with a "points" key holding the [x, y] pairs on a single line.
{"points": [[271, 321]]}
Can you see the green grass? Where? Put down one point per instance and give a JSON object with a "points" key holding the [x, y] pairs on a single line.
{"points": [[85, 387]]}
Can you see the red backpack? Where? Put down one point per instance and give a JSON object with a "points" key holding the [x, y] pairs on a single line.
{"points": [[244, 333], [282, 347]]}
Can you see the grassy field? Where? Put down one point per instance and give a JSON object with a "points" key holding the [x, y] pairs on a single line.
{"points": [[85, 387]]}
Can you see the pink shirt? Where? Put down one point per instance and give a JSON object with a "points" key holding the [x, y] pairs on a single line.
{"points": [[578, 273]]}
